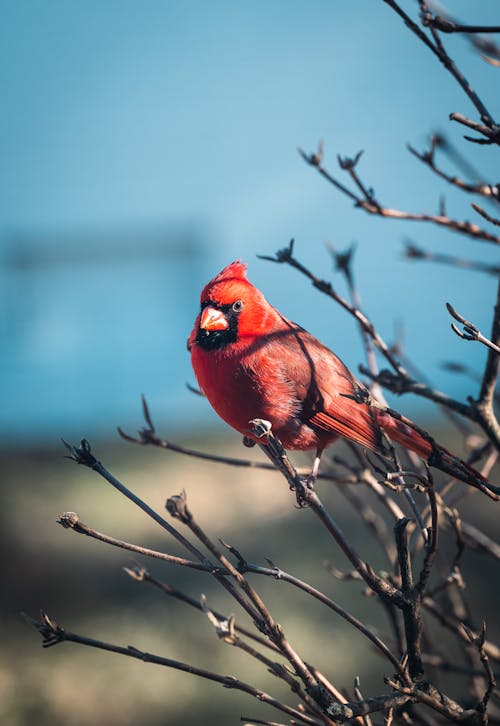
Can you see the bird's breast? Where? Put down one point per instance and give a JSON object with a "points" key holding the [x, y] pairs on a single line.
{"points": [[256, 384]]}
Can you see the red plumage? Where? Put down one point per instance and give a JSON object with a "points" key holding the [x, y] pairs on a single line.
{"points": [[252, 362]]}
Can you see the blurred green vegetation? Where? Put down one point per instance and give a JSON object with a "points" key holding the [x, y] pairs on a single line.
{"points": [[81, 584]]}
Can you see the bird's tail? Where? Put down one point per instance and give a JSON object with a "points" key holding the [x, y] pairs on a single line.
{"points": [[411, 437]]}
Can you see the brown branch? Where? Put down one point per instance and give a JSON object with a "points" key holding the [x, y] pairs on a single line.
{"points": [[73, 522], [470, 331], [400, 381], [140, 574], [445, 25], [402, 384], [456, 626], [342, 712], [177, 507], [82, 455], [285, 256], [70, 520], [478, 641], [443, 143], [439, 51], [357, 692], [484, 406], [492, 136], [478, 540], [480, 210], [439, 702], [430, 696], [343, 263], [225, 630], [259, 722], [458, 421], [331, 604], [147, 436], [371, 206], [411, 607], [439, 457], [373, 521], [52, 634], [306, 495], [414, 252], [490, 191], [432, 543]]}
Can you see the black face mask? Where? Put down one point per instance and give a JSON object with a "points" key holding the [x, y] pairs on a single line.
{"points": [[218, 339]]}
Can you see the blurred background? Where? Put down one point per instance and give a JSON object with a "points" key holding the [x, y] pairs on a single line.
{"points": [[144, 146]]}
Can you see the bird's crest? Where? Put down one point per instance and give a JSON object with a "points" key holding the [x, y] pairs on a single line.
{"points": [[233, 273], [237, 270]]}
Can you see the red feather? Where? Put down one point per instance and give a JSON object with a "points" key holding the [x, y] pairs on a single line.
{"points": [[255, 363]]}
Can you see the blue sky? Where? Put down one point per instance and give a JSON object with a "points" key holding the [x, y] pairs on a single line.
{"points": [[121, 115]]}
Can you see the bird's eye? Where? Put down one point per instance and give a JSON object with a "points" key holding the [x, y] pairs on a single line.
{"points": [[238, 306]]}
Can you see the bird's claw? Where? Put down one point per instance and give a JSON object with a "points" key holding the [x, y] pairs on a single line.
{"points": [[260, 427], [310, 480]]}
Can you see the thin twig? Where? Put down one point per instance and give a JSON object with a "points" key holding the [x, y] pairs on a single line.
{"points": [[485, 215], [438, 49], [52, 634], [411, 607], [147, 436], [470, 331], [70, 520], [140, 574], [374, 207], [414, 252], [484, 406], [491, 191], [177, 507]]}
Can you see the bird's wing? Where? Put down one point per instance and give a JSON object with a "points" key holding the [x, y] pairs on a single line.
{"points": [[356, 426], [335, 408]]}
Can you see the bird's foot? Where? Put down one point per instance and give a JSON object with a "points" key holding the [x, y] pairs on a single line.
{"points": [[300, 494], [310, 480], [260, 428]]}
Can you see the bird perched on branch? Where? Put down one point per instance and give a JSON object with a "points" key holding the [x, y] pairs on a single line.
{"points": [[251, 362]]}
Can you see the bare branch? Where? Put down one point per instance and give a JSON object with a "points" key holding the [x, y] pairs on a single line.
{"points": [[307, 496], [492, 136], [411, 605], [484, 406], [414, 252], [371, 206], [470, 331], [147, 436], [439, 51], [444, 25], [456, 626], [490, 191], [432, 543], [71, 520], [52, 634], [286, 256], [82, 455], [140, 574], [478, 641], [480, 210]]}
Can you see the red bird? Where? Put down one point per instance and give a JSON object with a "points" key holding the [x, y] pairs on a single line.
{"points": [[252, 362]]}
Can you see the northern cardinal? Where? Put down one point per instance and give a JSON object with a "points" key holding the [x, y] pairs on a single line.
{"points": [[252, 362]]}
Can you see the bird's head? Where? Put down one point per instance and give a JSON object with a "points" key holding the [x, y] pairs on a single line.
{"points": [[232, 310]]}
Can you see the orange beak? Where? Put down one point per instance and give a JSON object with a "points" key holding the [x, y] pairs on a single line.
{"points": [[213, 319]]}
